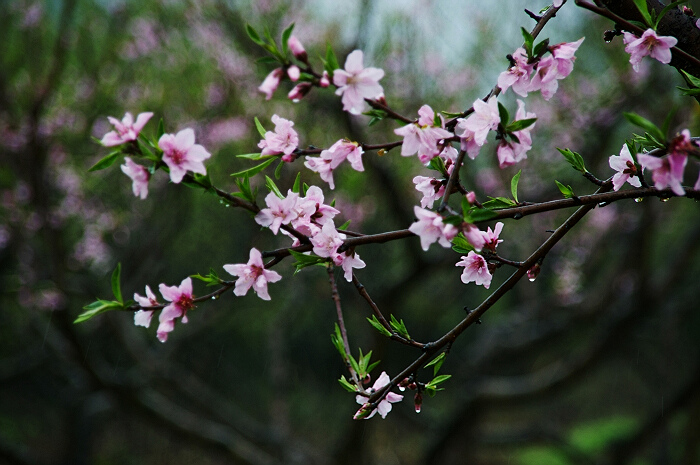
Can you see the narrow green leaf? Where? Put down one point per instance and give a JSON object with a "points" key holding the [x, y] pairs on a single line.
{"points": [[439, 379], [116, 283], [666, 9], [161, 128], [297, 183], [496, 203], [520, 124], [480, 214], [647, 125], [255, 156], [95, 308], [250, 172], [460, 244], [260, 127], [694, 81], [278, 170], [346, 384], [642, 7], [566, 191], [286, 34], [105, 162], [503, 113], [541, 48], [253, 35], [514, 185], [399, 327], [378, 326], [437, 362], [331, 62], [438, 164], [575, 159], [273, 187], [344, 226]]}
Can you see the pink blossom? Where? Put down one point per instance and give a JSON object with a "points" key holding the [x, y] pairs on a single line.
{"points": [[181, 300], [327, 241], [125, 130], [658, 47], [491, 237], [348, 260], [297, 49], [384, 406], [312, 213], [356, 83], [143, 317], [271, 82], [345, 149], [253, 274], [278, 211], [284, 140], [430, 228], [423, 137], [512, 152], [293, 72], [554, 67], [323, 166], [484, 119], [518, 75], [564, 58], [475, 269], [667, 171], [325, 80], [139, 176], [625, 167], [466, 137], [682, 144], [181, 154], [431, 188]]}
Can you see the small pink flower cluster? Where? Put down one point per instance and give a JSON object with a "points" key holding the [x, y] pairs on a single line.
{"points": [[423, 137], [181, 300], [180, 153], [666, 171], [547, 70], [476, 268], [330, 159], [312, 218], [272, 81]]}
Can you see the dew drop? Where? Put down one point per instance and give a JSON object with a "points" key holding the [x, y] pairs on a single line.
{"points": [[638, 199], [664, 199]]}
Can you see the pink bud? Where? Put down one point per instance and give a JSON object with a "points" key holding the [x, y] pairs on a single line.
{"points": [[533, 272], [269, 85], [324, 81], [418, 401], [293, 72], [471, 197], [297, 49], [299, 91]]}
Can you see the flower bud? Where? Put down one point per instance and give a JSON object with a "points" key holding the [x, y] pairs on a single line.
{"points": [[299, 91], [471, 197], [297, 49], [271, 82], [324, 81], [293, 72], [533, 272], [418, 401]]}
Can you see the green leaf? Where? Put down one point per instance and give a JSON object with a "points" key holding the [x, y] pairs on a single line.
{"points": [[331, 62], [575, 159], [212, 279], [285, 38], [337, 340], [106, 162], [477, 215], [344, 226], [161, 128], [437, 380], [466, 206], [253, 35], [566, 191], [255, 156], [244, 187], [642, 7], [116, 283], [449, 114], [689, 92], [503, 113], [647, 125], [666, 9], [438, 164], [303, 260], [250, 172], [297, 183], [378, 326], [437, 362], [514, 185], [694, 81], [399, 327], [496, 203], [95, 308], [541, 48], [278, 170], [527, 37], [260, 127], [520, 124], [460, 244], [273, 187], [346, 384]]}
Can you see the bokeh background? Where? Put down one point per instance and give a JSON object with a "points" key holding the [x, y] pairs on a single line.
{"points": [[594, 362]]}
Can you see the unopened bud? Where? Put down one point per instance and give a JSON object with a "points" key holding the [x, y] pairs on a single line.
{"points": [[688, 11], [293, 72], [380, 98], [297, 49], [471, 197], [402, 385], [299, 91], [412, 386], [533, 272], [418, 401], [325, 80]]}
